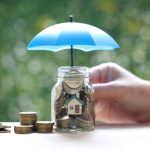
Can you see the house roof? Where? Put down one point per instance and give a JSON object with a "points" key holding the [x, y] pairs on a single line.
{"points": [[74, 97]]}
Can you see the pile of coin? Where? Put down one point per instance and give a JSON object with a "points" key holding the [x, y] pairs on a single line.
{"points": [[44, 126], [23, 129], [3, 128], [64, 90], [28, 118], [64, 122], [29, 123]]}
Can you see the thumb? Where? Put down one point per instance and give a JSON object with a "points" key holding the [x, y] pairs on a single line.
{"points": [[105, 90]]}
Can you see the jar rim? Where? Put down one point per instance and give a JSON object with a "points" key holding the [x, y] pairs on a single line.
{"points": [[75, 70], [74, 67]]}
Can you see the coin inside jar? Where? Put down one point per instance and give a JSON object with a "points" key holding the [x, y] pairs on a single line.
{"points": [[64, 122], [72, 86], [74, 82], [58, 91]]}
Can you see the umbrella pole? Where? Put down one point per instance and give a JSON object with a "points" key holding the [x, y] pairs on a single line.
{"points": [[72, 60], [71, 19]]}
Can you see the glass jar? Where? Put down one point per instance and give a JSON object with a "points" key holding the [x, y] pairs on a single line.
{"points": [[71, 100]]}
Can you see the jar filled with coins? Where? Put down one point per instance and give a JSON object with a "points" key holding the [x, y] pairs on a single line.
{"points": [[71, 100]]}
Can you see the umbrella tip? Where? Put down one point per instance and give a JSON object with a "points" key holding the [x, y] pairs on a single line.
{"points": [[71, 18]]}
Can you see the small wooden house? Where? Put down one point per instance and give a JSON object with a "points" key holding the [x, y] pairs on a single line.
{"points": [[74, 106]]}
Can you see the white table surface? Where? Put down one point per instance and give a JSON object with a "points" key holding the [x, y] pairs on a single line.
{"points": [[104, 137]]}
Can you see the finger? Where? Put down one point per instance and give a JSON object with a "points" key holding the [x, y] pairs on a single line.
{"points": [[95, 75], [105, 91], [98, 74]]}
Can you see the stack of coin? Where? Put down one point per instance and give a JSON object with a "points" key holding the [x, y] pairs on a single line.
{"points": [[64, 122], [44, 126], [23, 129], [29, 123], [3, 128], [84, 123], [28, 118], [59, 104]]}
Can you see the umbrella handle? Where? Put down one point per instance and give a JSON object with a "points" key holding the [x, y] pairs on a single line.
{"points": [[71, 18]]}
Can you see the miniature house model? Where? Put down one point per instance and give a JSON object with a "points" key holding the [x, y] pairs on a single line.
{"points": [[74, 106]]}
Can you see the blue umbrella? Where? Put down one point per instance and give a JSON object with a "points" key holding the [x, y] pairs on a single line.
{"points": [[72, 35]]}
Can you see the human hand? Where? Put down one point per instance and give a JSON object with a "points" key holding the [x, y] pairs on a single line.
{"points": [[120, 96]]}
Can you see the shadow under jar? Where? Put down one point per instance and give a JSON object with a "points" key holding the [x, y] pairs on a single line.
{"points": [[71, 100]]}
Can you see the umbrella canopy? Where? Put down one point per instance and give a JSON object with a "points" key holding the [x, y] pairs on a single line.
{"points": [[72, 35], [81, 36]]}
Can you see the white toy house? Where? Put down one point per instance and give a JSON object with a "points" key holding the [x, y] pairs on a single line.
{"points": [[74, 106]]}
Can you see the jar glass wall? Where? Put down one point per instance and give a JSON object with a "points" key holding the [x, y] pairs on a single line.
{"points": [[71, 100]]}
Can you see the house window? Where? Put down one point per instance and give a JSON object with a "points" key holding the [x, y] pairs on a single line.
{"points": [[71, 107], [77, 108]]}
